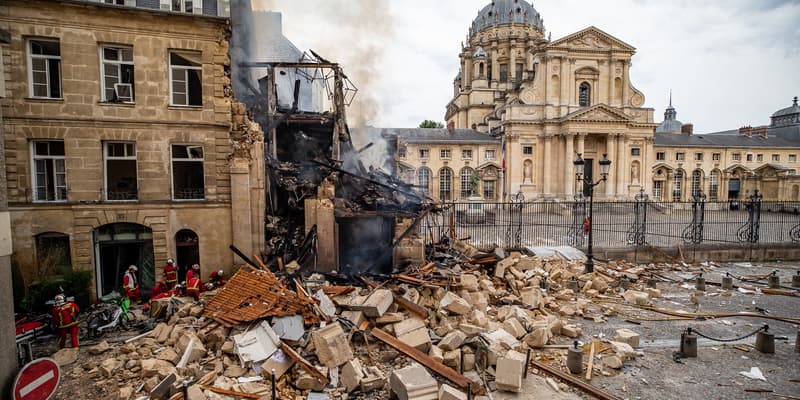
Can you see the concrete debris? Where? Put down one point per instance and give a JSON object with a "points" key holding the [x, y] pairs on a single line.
{"points": [[289, 327], [413, 383], [454, 304], [331, 346], [510, 370], [627, 336], [447, 392]]}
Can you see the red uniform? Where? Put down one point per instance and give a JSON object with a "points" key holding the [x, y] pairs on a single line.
{"points": [[189, 275], [193, 287], [66, 318], [217, 279], [159, 288], [170, 275], [131, 286]]}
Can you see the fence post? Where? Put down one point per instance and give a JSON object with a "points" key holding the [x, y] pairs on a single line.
{"points": [[750, 230], [636, 233], [578, 219], [694, 232]]}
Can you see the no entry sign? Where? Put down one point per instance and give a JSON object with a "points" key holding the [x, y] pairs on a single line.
{"points": [[38, 380]]}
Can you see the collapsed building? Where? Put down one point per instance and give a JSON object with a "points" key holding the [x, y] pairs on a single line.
{"points": [[324, 207]]}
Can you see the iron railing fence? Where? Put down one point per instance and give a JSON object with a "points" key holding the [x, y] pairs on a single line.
{"points": [[616, 224]]}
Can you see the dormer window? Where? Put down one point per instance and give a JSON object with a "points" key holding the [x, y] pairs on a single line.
{"points": [[584, 94]]}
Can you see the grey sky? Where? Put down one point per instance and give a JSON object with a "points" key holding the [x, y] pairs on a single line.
{"points": [[729, 63]]}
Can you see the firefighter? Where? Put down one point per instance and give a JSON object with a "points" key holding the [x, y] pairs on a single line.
{"points": [[170, 273], [195, 270], [217, 278], [131, 285], [193, 285], [160, 288], [65, 316]]}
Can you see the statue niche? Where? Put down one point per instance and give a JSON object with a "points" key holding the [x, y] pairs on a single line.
{"points": [[527, 172]]}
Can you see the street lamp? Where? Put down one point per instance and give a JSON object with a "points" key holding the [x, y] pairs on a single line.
{"points": [[605, 165]]}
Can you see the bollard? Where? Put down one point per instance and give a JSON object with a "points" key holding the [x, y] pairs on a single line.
{"points": [[796, 280], [573, 284], [727, 281], [544, 284], [274, 389], [700, 284], [575, 359], [651, 283], [774, 281], [765, 341], [624, 282], [689, 343]]}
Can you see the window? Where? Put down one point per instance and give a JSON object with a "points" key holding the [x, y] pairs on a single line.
{"points": [[121, 171], [792, 157], [759, 157], [49, 176], [424, 180], [445, 183], [45, 68], [736, 157], [680, 156], [401, 152], [466, 182], [187, 172], [677, 186], [713, 185], [488, 154], [424, 153], [749, 158], [116, 2], [503, 72], [480, 70], [444, 153], [188, 6], [658, 189], [776, 157], [661, 156], [186, 83], [488, 190], [698, 156], [636, 151], [466, 154], [527, 150], [52, 253], [117, 74], [716, 156], [518, 72], [697, 181], [584, 94]]}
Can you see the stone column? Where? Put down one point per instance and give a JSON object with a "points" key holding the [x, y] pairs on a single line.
{"points": [[569, 179], [495, 66], [625, 78], [611, 145], [512, 60], [548, 139], [241, 222], [540, 164], [623, 168], [581, 143]]}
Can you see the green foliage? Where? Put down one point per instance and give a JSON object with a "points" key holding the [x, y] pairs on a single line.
{"points": [[74, 283], [430, 124]]}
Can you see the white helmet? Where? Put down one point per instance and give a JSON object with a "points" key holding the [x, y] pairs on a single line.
{"points": [[220, 272], [133, 268], [170, 261], [59, 300], [196, 266]]}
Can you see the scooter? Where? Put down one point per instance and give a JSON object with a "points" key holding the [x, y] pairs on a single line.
{"points": [[112, 313]]}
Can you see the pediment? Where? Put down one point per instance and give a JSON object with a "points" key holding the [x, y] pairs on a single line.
{"points": [[735, 167], [488, 164], [666, 166], [598, 112], [591, 38]]}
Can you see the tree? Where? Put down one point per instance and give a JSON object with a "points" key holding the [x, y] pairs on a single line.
{"points": [[430, 124]]}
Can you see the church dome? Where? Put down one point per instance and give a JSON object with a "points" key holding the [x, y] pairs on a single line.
{"points": [[670, 123], [787, 116], [503, 12]]}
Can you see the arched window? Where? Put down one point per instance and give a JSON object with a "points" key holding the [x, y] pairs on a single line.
{"points": [[466, 182], [697, 182], [713, 185], [677, 186], [480, 70], [424, 179], [445, 184], [584, 94]]}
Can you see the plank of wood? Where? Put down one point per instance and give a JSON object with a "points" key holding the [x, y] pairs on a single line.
{"points": [[594, 391], [590, 366], [305, 365], [230, 392]]}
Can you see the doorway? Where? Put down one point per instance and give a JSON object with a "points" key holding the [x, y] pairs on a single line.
{"points": [[187, 251], [118, 246], [734, 187]]}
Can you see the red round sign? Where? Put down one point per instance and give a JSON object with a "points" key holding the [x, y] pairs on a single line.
{"points": [[38, 380]]}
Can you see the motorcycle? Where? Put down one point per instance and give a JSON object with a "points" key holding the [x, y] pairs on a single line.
{"points": [[112, 313]]}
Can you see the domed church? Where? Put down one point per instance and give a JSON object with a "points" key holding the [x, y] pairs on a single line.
{"points": [[550, 100]]}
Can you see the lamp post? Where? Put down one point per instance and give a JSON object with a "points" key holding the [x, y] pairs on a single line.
{"points": [[605, 165]]}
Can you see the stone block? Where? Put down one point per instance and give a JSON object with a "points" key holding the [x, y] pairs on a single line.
{"points": [[357, 317], [66, 356], [452, 359], [390, 318], [531, 297], [418, 338], [454, 304], [478, 300], [156, 368], [514, 327], [510, 370], [447, 392], [453, 340], [279, 362], [653, 292], [627, 336], [332, 347], [612, 361], [372, 380], [352, 374], [571, 331], [436, 353], [376, 303], [413, 382], [197, 351], [306, 381], [469, 282], [538, 337], [289, 328], [502, 265], [99, 348], [636, 297], [168, 354]]}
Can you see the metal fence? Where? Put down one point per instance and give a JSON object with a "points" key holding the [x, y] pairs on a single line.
{"points": [[615, 224]]}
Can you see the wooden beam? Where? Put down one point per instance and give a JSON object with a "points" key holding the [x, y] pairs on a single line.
{"points": [[594, 391]]}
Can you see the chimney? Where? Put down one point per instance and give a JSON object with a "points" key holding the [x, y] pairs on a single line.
{"points": [[687, 128], [746, 130], [451, 127], [760, 131]]}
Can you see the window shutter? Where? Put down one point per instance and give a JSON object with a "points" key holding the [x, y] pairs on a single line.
{"points": [[197, 7], [166, 5]]}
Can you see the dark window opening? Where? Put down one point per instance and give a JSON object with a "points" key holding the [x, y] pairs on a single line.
{"points": [[53, 253], [489, 72], [187, 82], [527, 150], [121, 171], [480, 70], [50, 176], [584, 94], [503, 73], [118, 74], [635, 151], [45, 68], [518, 72], [187, 172]]}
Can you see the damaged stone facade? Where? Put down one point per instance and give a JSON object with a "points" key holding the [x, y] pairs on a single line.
{"points": [[122, 144]]}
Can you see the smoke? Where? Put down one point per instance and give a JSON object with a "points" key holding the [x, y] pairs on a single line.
{"points": [[352, 33]]}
